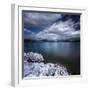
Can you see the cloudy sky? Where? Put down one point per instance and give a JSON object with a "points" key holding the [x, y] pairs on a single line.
{"points": [[50, 26]]}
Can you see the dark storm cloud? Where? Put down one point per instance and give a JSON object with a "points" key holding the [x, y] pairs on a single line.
{"points": [[51, 26], [39, 20]]}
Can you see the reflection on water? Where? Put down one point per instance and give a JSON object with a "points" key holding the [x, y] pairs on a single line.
{"points": [[67, 53]]}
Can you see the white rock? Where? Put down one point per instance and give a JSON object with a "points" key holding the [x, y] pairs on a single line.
{"points": [[35, 57], [39, 68]]}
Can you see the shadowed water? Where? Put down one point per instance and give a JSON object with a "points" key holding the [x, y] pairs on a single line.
{"points": [[66, 53]]}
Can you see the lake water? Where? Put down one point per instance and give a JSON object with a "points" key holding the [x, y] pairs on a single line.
{"points": [[66, 53]]}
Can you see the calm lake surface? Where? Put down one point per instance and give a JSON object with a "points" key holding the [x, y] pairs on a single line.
{"points": [[66, 53]]}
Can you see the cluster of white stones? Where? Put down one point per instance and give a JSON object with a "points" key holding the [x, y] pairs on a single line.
{"points": [[34, 57], [38, 68]]}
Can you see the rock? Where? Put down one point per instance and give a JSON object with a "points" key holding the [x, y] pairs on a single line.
{"points": [[34, 66], [41, 69], [33, 57], [28, 69]]}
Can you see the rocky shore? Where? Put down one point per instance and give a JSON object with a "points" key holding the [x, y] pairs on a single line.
{"points": [[34, 66]]}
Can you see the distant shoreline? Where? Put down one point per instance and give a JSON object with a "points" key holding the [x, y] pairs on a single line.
{"points": [[51, 40]]}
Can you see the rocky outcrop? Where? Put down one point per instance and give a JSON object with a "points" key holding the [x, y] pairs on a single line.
{"points": [[34, 66], [33, 57]]}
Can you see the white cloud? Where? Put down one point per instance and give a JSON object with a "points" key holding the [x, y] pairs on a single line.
{"points": [[28, 31], [59, 31], [28, 34], [40, 19]]}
